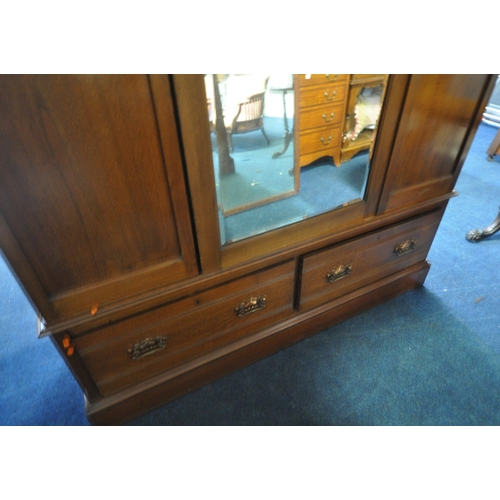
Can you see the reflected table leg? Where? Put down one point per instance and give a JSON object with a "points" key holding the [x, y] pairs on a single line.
{"points": [[288, 137], [494, 148]]}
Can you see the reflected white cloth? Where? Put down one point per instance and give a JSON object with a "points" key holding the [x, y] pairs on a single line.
{"points": [[366, 110]]}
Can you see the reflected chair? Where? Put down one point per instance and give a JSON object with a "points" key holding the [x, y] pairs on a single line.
{"points": [[247, 115]]}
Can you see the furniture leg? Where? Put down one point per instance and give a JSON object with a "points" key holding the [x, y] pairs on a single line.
{"points": [[494, 148], [287, 138], [265, 136], [477, 235]]}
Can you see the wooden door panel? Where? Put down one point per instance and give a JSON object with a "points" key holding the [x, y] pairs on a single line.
{"points": [[438, 114], [84, 186]]}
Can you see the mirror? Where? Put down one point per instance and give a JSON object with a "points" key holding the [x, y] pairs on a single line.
{"points": [[289, 147]]}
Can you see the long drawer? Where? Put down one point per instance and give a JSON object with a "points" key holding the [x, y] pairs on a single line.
{"points": [[327, 274], [128, 352]]}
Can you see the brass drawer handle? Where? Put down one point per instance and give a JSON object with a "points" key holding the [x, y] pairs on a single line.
{"points": [[332, 97], [331, 78], [325, 117], [405, 247], [148, 346], [340, 272], [327, 141], [251, 305]]}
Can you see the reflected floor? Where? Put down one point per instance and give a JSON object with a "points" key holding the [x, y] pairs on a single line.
{"points": [[259, 179], [323, 187]]}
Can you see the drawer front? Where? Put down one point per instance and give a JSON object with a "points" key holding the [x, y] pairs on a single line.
{"points": [[368, 78], [130, 351], [322, 140], [334, 93], [321, 116], [311, 80], [330, 273]]}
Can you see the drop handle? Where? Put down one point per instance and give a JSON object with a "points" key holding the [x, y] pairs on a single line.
{"points": [[326, 141], [147, 346], [405, 247], [332, 97], [250, 306], [339, 272], [325, 117], [331, 78]]}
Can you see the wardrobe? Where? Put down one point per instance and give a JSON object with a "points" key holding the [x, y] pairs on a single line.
{"points": [[110, 220]]}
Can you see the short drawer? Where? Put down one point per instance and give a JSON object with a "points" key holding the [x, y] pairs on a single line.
{"points": [[311, 80], [371, 78], [327, 274], [128, 352], [334, 93], [321, 116], [322, 140]]}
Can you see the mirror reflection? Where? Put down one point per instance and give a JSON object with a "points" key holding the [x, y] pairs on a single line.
{"points": [[289, 147]]}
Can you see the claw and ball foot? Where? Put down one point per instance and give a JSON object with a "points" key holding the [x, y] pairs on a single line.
{"points": [[477, 235]]}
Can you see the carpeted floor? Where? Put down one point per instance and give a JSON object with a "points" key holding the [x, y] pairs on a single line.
{"points": [[430, 357], [260, 179]]}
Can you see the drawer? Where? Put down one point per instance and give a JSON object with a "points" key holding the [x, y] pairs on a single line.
{"points": [[320, 140], [321, 116], [135, 349], [327, 274], [310, 80], [369, 79], [334, 93]]}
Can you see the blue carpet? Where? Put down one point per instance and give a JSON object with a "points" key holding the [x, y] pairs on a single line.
{"points": [[322, 186], [429, 357], [35, 386], [258, 177], [343, 185]]}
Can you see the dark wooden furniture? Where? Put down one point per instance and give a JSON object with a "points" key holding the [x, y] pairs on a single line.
{"points": [[108, 216]]}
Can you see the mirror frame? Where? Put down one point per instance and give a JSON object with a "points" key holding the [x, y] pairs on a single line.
{"points": [[324, 228]]}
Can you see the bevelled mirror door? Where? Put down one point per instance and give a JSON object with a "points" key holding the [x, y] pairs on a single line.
{"points": [[289, 147]]}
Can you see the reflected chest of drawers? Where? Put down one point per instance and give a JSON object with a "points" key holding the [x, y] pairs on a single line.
{"points": [[322, 105]]}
